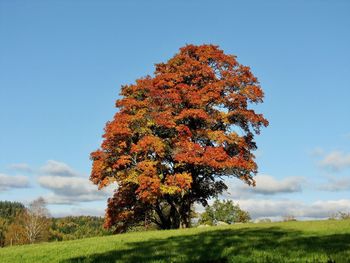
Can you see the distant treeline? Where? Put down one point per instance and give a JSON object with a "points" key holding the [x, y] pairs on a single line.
{"points": [[10, 209], [16, 224], [8, 212]]}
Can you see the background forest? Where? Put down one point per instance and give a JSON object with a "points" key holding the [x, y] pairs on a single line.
{"points": [[33, 224], [21, 225]]}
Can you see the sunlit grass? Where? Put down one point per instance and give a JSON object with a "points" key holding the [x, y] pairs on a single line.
{"points": [[313, 241]]}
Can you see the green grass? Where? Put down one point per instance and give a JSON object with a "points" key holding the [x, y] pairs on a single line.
{"points": [[313, 241]]}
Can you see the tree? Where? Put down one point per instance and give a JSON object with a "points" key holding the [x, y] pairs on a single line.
{"points": [[287, 218], [15, 235], [35, 221], [225, 211], [176, 136], [265, 220], [343, 215]]}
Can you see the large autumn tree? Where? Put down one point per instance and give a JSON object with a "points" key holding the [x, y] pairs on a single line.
{"points": [[177, 136]]}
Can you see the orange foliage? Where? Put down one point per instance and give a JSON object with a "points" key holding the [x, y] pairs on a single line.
{"points": [[182, 181], [174, 135]]}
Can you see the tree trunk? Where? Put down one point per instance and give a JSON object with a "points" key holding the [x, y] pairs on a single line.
{"points": [[174, 216], [164, 223], [185, 214]]}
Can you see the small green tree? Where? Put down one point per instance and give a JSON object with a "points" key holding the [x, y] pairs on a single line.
{"points": [[224, 211]]}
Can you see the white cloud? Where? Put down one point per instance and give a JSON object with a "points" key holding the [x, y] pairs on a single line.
{"points": [[80, 211], [317, 152], [68, 190], [336, 184], [13, 181], [259, 208], [265, 185], [58, 199], [23, 167], [56, 168], [269, 208], [347, 135], [276, 209], [321, 209], [68, 186], [336, 161]]}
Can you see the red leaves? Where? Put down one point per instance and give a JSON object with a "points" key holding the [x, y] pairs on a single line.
{"points": [[123, 209], [193, 113], [253, 93], [149, 144], [183, 131], [182, 181], [188, 152], [147, 168], [119, 126], [164, 119], [215, 157], [241, 117], [98, 158], [130, 104], [122, 162], [149, 188]]}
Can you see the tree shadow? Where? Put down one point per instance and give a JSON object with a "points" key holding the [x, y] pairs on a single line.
{"points": [[228, 245]]}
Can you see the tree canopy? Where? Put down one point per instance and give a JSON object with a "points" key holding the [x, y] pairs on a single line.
{"points": [[176, 136]]}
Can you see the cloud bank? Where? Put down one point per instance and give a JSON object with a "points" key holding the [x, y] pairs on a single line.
{"points": [[68, 186], [265, 185], [22, 167], [259, 208], [56, 168], [336, 161], [336, 184], [8, 182]]}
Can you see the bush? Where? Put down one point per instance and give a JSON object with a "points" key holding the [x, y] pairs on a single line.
{"points": [[289, 218], [224, 211], [265, 220]]}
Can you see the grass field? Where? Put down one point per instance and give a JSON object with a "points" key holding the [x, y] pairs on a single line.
{"points": [[312, 241]]}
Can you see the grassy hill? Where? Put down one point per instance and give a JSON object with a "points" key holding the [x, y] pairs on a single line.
{"points": [[312, 241]]}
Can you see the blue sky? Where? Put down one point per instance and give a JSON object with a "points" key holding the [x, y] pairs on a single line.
{"points": [[62, 64]]}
